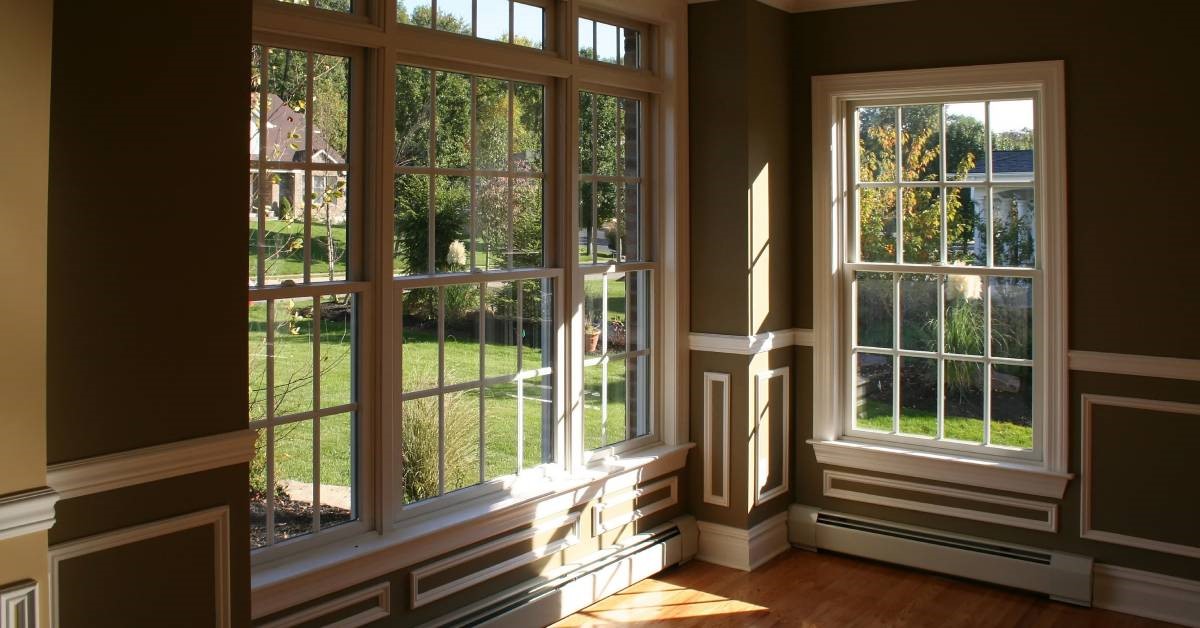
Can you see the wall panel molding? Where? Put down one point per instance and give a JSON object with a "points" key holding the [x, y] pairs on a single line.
{"points": [[750, 345], [421, 597], [1137, 365], [600, 526], [218, 518], [716, 418], [150, 464], [381, 593], [762, 446], [1146, 594], [1050, 510], [1086, 530], [27, 512], [19, 605]]}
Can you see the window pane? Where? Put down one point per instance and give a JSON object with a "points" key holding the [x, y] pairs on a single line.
{"points": [[875, 307], [918, 312], [1012, 140], [493, 19], [331, 109], [462, 440], [594, 435], [293, 479], [593, 314], [587, 233], [877, 225], [966, 226], [293, 356], [606, 222], [628, 236], [966, 142], [1012, 317], [608, 134], [586, 149], [638, 396], [491, 119], [918, 396], [287, 102], [873, 392], [257, 353], [922, 146], [453, 120], [419, 356], [964, 401], [922, 225], [410, 249], [630, 47], [330, 223], [617, 315], [616, 427], [528, 224], [502, 329], [415, 12], [461, 320], [452, 229], [1013, 219], [634, 331], [337, 350], [963, 325], [528, 127], [537, 324], [876, 143], [538, 433], [528, 25], [420, 442], [454, 16], [1012, 406], [606, 43], [256, 206], [337, 470], [629, 123], [500, 405], [492, 249], [587, 43], [413, 114], [283, 239], [258, 492]]}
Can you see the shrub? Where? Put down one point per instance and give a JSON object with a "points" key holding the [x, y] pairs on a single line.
{"points": [[420, 434]]}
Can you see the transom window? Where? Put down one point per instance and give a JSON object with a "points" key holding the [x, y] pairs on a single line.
{"points": [[507, 21], [943, 272], [599, 40]]}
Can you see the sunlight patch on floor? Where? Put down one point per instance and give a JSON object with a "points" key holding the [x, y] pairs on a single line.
{"points": [[655, 600]]}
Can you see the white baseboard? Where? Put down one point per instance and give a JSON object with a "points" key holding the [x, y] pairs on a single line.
{"points": [[1146, 594], [743, 549]]}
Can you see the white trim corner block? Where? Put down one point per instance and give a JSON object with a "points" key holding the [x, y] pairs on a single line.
{"points": [[1088, 401], [217, 518], [711, 410], [19, 605], [1146, 594], [26, 513], [750, 345], [746, 550], [149, 464]]}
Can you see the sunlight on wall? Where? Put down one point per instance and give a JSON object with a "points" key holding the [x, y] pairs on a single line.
{"points": [[759, 267]]}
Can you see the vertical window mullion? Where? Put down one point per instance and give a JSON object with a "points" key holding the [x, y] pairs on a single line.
{"points": [[431, 225], [308, 159], [315, 332], [270, 413], [482, 327], [595, 182], [473, 179], [941, 362], [264, 96], [899, 232], [512, 103], [986, 282], [896, 353], [441, 327]]}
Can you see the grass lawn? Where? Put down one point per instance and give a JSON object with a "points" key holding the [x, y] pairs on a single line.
{"points": [[285, 249], [877, 415]]}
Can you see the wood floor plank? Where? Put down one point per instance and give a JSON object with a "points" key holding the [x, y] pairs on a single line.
{"points": [[820, 590]]}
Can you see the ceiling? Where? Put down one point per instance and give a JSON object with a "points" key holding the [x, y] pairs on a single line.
{"points": [[801, 6]]}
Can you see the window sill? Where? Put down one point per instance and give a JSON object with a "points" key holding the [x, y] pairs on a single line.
{"points": [[943, 467], [284, 583]]}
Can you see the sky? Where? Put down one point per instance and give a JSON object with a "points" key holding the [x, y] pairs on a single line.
{"points": [[493, 17], [1006, 115]]}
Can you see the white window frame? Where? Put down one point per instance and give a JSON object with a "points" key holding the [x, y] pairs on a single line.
{"points": [[1041, 472], [396, 535]]}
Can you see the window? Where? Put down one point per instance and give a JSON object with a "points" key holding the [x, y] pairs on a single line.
{"points": [[946, 242], [474, 325], [608, 43], [507, 21]]}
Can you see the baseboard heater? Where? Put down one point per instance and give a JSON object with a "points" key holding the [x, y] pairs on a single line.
{"points": [[1062, 576], [546, 600]]}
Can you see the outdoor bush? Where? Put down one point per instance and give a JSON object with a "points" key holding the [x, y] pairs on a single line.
{"points": [[420, 434]]}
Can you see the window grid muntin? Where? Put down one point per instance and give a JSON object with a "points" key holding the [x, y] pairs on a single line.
{"points": [[943, 269]]}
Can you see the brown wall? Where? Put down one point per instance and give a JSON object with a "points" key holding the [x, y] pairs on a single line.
{"points": [[146, 279], [1131, 231]]}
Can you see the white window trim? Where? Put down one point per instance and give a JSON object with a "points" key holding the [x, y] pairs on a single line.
{"points": [[831, 95]]}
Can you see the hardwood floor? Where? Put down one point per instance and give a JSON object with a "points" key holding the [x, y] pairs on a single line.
{"points": [[826, 590]]}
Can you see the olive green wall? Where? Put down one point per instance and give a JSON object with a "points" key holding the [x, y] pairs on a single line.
{"points": [[1130, 234], [145, 324]]}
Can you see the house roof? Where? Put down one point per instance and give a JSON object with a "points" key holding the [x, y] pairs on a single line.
{"points": [[283, 122], [1008, 162]]}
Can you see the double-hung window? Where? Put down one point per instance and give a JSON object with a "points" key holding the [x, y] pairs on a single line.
{"points": [[940, 205], [454, 244]]}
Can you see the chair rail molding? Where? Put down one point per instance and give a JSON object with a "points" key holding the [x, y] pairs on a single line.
{"points": [[750, 345], [1137, 365], [149, 464], [27, 512]]}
